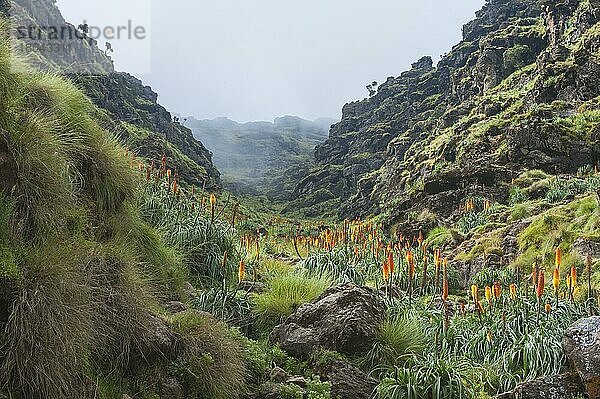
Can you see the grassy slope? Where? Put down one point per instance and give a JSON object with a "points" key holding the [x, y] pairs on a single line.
{"points": [[84, 276]]}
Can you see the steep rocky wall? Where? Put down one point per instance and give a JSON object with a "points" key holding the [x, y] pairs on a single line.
{"points": [[497, 104], [65, 56]]}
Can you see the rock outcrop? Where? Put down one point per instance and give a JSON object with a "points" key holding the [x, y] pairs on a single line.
{"points": [[345, 319], [347, 381], [70, 54], [553, 387], [148, 128], [582, 346]]}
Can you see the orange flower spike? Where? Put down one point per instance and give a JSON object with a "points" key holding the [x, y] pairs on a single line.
{"points": [[548, 308], [224, 261], [534, 275], [574, 277], [556, 279], [390, 262], [445, 285], [557, 257], [488, 293], [540, 284], [385, 270], [497, 290], [409, 257]]}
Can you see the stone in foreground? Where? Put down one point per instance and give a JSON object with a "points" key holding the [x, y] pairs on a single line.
{"points": [[345, 319], [581, 343]]}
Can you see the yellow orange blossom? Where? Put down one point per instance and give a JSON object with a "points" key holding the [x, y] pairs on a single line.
{"points": [[558, 257], [556, 279], [574, 277], [548, 308], [488, 293], [513, 291], [474, 293]]}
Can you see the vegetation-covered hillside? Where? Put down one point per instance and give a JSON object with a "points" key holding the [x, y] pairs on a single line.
{"points": [[262, 158], [85, 272], [131, 107], [519, 92]]}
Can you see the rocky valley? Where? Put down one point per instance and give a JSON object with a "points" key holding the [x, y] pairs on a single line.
{"points": [[440, 241], [262, 158]]}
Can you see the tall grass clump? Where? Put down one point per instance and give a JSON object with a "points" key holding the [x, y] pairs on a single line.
{"points": [[398, 338], [341, 265], [46, 334], [201, 240], [431, 377], [213, 363], [285, 294]]}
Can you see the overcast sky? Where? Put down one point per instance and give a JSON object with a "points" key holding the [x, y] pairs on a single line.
{"points": [[259, 59]]}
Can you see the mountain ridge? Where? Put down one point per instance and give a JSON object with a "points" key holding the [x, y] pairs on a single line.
{"points": [[403, 148]]}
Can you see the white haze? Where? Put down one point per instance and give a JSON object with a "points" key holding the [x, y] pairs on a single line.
{"points": [[259, 59]]}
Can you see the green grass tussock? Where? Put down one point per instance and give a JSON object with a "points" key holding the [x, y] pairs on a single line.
{"points": [[285, 294], [213, 363]]}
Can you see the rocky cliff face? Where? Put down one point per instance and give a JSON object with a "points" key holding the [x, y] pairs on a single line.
{"points": [[70, 54], [132, 108], [519, 92]]}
